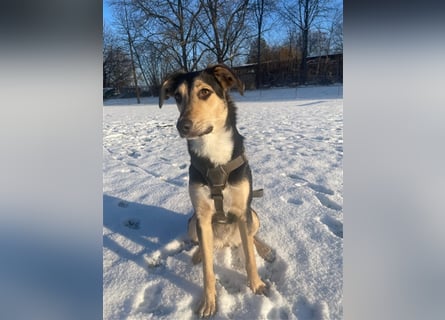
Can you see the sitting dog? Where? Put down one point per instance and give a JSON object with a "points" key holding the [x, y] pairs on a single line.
{"points": [[220, 184]]}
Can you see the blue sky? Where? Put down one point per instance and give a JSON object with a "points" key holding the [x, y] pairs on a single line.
{"points": [[272, 36], [107, 13]]}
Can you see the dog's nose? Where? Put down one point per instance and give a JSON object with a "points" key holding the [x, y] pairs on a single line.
{"points": [[184, 126]]}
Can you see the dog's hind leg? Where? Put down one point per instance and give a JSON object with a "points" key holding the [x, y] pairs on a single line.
{"points": [[193, 235], [191, 229], [265, 251], [197, 256]]}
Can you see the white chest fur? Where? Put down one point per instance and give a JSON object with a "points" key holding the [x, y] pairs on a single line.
{"points": [[216, 146]]}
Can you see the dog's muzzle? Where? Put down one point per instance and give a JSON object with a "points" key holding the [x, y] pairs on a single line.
{"points": [[185, 129], [184, 126]]}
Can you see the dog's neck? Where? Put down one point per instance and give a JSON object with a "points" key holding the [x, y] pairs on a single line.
{"points": [[217, 147], [220, 146]]}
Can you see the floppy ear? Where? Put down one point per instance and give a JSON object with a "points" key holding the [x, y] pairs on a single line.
{"points": [[227, 78], [168, 87], [164, 92]]}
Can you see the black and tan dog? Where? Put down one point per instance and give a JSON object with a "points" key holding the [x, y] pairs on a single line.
{"points": [[220, 178]]}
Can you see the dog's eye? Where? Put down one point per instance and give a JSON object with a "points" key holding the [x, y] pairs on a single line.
{"points": [[204, 93]]}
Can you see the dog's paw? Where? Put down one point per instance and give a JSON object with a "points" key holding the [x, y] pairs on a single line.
{"points": [[259, 288], [207, 307], [267, 254]]}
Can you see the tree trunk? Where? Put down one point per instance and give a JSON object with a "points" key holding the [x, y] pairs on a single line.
{"points": [[260, 14], [133, 67], [258, 61], [304, 54]]}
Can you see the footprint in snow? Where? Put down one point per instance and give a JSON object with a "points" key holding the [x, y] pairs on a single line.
{"points": [[134, 154], [274, 272], [294, 201], [174, 247], [279, 313], [304, 309], [328, 203], [176, 182], [313, 186], [335, 226], [132, 223], [320, 188], [152, 301], [123, 204]]}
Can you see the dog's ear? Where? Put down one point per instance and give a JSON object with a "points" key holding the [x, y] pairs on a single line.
{"points": [[164, 92], [227, 78], [168, 87]]}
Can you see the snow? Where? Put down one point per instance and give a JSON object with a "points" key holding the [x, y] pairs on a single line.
{"points": [[294, 140]]}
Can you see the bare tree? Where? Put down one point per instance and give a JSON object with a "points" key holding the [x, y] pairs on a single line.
{"points": [[107, 42], [159, 36], [116, 68], [125, 23], [336, 31], [303, 14], [318, 43], [224, 28], [265, 51], [116, 62], [157, 65], [261, 9], [176, 28]]}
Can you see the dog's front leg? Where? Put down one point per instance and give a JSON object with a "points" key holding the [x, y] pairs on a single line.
{"points": [[255, 282], [207, 306]]}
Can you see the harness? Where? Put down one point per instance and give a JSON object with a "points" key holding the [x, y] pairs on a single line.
{"points": [[217, 180]]}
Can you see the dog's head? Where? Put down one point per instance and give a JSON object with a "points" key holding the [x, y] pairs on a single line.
{"points": [[201, 98]]}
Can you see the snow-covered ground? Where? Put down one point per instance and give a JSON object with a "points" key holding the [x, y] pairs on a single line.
{"points": [[294, 142]]}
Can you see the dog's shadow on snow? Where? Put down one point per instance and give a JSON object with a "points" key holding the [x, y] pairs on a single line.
{"points": [[142, 228], [134, 231], [148, 226]]}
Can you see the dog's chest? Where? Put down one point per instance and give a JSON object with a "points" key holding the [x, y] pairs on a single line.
{"points": [[234, 197], [228, 197], [217, 147]]}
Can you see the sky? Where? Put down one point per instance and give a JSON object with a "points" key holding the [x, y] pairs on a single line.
{"points": [[108, 17], [107, 13]]}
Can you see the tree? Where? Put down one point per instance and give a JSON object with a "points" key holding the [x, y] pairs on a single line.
{"points": [[224, 28], [318, 43], [116, 68], [125, 23], [336, 31], [175, 29], [261, 9], [116, 62], [158, 66], [107, 42], [259, 51], [156, 37], [303, 14]]}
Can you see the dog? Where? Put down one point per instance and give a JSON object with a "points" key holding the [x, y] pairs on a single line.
{"points": [[220, 179]]}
